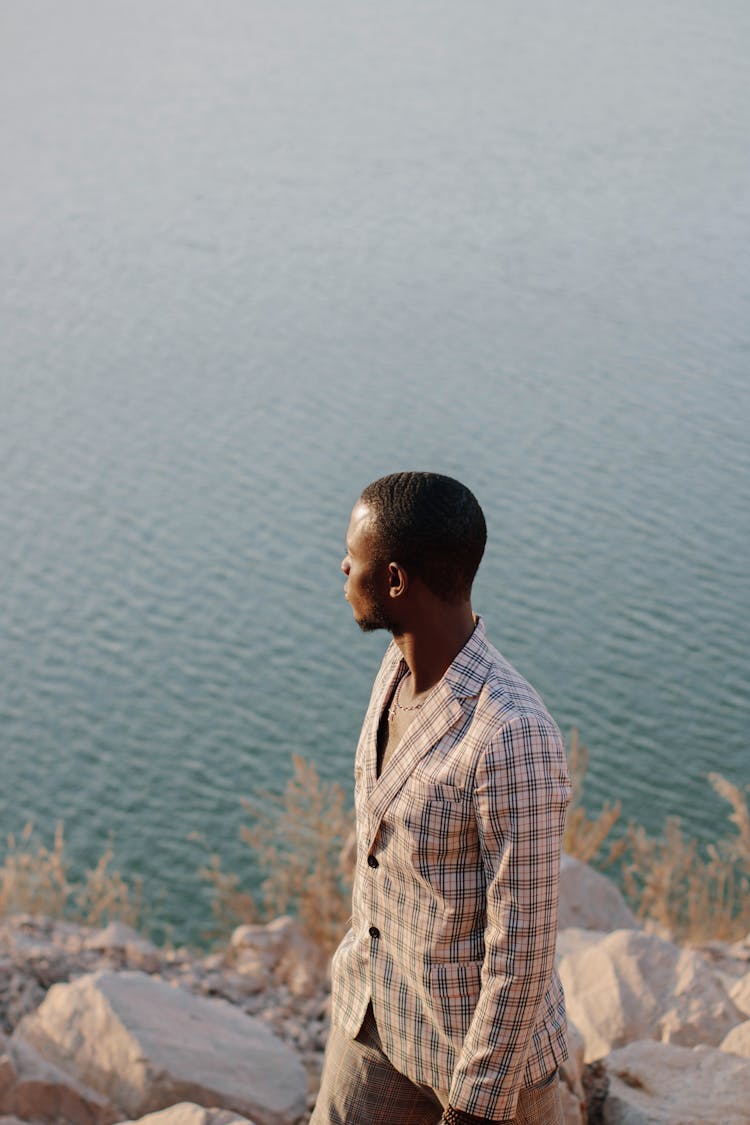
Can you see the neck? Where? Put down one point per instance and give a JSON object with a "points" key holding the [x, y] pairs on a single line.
{"points": [[430, 646]]}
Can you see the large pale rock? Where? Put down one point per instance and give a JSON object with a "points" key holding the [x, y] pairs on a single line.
{"points": [[146, 1045], [730, 963], [630, 985], [188, 1113], [576, 941], [740, 994], [662, 1084], [34, 1088], [738, 1042], [590, 900], [571, 1079]]}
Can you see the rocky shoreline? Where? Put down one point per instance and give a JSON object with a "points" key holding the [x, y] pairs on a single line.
{"points": [[98, 1027]]}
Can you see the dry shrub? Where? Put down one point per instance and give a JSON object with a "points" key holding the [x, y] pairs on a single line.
{"points": [[104, 895], [298, 843], [35, 879], [585, 837], [298, 839], [230, 904], [739, 848], [667, 879], [696, 897]]}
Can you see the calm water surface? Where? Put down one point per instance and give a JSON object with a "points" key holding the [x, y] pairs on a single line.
{"points": [[256, 254]]}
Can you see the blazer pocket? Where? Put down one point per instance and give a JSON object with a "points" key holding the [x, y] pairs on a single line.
{"points": [[422, 789], [454, 992], [438, 820]]}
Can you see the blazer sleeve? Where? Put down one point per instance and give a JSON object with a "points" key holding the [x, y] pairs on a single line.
{"points": [[521, 793]]}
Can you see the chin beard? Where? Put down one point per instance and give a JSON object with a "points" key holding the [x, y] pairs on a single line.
{"points": [[373, 622], [375, 618]]}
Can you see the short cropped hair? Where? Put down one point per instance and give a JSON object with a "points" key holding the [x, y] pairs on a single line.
{"points": [[433, 526]]}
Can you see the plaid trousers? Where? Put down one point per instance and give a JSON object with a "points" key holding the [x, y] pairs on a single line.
{"points": [[360, 1086]]}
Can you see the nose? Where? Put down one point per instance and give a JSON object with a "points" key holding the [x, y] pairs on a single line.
{"points": [[345, 565]]}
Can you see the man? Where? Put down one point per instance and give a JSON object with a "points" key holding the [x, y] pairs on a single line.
{"points": [[445, 1002]]}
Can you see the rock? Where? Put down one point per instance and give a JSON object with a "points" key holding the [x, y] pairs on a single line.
{"points": [[22, 995], [571, 1079], [736, 954], [117, 935], [147, 1044], [188, 1113], [740, 994], [574, 1110], [256, 937], [630, 985], [729, 962], [575, 940], [590, 900], [254, 969], [119, 938], [32, 1087], [662, 1084], [32, 946], [738, 1042], [282, 949]]}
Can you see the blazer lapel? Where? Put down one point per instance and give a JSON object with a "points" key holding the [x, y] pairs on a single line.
{"points": [[462, 680], [440, 713]]}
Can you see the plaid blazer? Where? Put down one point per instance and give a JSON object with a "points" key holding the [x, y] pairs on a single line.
{"points": [[454, 909]]}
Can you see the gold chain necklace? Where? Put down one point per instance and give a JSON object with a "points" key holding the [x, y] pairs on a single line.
{"points": [[396, 706]]}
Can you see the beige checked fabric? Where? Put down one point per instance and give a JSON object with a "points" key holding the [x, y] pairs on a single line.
{"points": [[454, 909], [361, 1087]]}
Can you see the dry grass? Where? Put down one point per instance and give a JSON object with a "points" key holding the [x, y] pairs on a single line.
{"points": [[299, 846], [695, 895], [585, 837], [230, 904], [297, 841], [34, 879], [104, 895]]}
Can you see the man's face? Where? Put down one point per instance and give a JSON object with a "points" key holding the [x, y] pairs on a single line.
{"points": [[366, 577]]}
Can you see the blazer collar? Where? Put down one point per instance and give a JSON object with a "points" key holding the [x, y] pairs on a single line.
{"points": [[468, 671], [462, 680]]}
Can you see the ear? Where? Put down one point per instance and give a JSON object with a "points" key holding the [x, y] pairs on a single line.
{"points": [[398, 580]]}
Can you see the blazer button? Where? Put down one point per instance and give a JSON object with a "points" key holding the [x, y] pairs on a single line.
{"points": [[372, 862], [374, 932]]}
